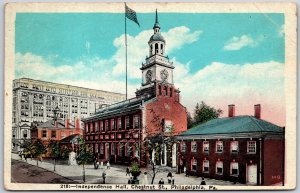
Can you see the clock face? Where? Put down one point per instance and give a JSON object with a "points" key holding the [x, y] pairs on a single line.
{"points": [[148, 76], [164, 75]]}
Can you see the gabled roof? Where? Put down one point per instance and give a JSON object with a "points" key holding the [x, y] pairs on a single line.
{"points": [[50, 124], [70, 138], [120, 107], [234, 125]]}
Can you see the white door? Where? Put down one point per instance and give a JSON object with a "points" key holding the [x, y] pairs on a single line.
{"points": [[174, 157], [252, 174]]}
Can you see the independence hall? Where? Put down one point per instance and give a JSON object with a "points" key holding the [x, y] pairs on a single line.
{"points": [[117, 132]]}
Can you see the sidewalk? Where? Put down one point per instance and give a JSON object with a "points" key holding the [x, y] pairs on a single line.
{"points": [[117, 174]]}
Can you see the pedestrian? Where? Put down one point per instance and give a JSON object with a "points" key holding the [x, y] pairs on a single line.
{"points": [[97, 163], [108, 165], [145, 180], [169, 176], [101, 165], [185, 171], [130, 180], [127, 171], [203, 182], [20, 154], [173, 181], [103, 176], [161, 181]]}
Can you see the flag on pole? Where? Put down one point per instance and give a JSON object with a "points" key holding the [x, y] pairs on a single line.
{"points": [[131, 14]]}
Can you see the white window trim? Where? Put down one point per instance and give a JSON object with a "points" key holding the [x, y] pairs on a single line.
{"points": [[231, 167], [206, 143], [222, 146], [205, 161], [248, 143], [194, 143], [231, 144], [217, 167], [193, 162]]}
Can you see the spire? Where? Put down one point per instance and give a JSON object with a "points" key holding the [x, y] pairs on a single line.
{"points": [[156, 18], [156, 25]]}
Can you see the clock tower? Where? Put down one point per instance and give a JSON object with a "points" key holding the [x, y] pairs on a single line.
{"points": [[157, 69]]}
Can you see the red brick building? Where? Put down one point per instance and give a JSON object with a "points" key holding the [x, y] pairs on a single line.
{"points": [[116, 132], [243, 149], [55, 130]]}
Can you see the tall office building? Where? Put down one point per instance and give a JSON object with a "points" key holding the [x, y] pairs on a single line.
{"points": [[35, 100]]}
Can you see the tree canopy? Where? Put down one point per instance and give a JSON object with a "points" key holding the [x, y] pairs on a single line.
{"points": [[202, 114]]}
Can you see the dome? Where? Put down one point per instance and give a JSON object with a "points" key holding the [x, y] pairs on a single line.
{"points": [[156, 37]]}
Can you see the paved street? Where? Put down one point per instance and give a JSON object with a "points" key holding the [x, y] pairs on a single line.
{"points": [[26, 173], [116, 174]]}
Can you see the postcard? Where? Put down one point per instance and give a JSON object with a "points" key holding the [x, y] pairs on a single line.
{"points": [[150, 96]]}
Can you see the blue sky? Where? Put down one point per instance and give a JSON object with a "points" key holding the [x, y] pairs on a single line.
{"points": [[236, 54]]}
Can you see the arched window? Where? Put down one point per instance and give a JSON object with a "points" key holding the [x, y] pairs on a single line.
{"points": [[151, 49], [156, 48], [161, 48]]}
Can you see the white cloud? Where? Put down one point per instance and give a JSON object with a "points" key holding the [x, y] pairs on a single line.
{"points": [[91, 73], [220, 84], [236, 43], [99, 73], [138, 48]]}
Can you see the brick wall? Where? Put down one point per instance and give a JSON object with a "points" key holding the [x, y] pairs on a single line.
{"points": [[242, 158], [166, 107], [273, 161]]}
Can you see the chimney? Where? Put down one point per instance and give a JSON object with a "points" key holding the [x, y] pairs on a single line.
{"points": [[68, 123], [257, 110], [77, 123], [231, 110]]}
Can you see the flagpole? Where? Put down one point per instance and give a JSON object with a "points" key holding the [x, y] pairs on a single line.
{"points": [[125, 47]]}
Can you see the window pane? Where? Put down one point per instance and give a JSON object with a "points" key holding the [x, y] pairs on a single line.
{"points": [[251, 146], [194, 146], [205, 146], [234, 146]]}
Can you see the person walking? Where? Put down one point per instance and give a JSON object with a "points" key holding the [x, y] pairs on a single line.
{"points": [[103, 176], [108, 165], [127, 171], [203, 182], [161, 181], [169, 176]]}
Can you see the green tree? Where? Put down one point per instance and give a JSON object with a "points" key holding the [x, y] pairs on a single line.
{"points": [[54, 151], [28, 148], [204, 113], [84, 156], [190, 121], [39, 150]]}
